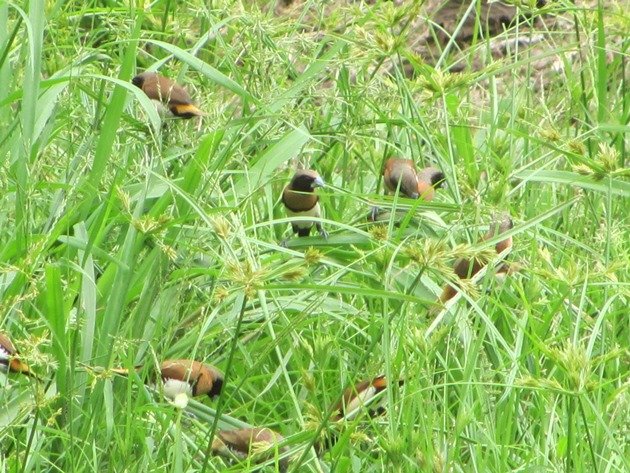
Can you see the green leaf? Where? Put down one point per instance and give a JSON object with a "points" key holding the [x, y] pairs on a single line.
{"points": [[614, 186], [289, 146], [205, 69], [146, 103]]}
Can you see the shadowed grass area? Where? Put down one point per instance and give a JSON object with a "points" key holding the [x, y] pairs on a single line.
{"points": [[128, 238]]}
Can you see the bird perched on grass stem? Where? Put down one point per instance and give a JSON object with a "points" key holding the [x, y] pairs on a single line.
{"points": [[10, 359], [300, 200], [354, 399], [429, 179], [361, 394], [185, 378], [241, 443], [166, 93], [401, 175], [467, 268]]}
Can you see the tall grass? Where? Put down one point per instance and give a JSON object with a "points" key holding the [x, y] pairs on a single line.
{"points": [[128, 239]]}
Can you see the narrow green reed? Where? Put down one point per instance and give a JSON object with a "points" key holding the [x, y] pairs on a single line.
{"points": [[26, 147]]}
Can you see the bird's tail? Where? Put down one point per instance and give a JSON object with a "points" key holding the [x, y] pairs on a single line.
{"points": [[187, 110], [18, 366]]}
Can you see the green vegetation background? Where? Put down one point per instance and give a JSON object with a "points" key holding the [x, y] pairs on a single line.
{"points": [[125, 239]]}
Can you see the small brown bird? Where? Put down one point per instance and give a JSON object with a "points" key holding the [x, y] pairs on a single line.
{"points": [[241, 443], [167, 93], [466, 269], [412, 183], [182, 379], [429, 179], [401, 174], [359, 395], [300, 200], [10, 360]]}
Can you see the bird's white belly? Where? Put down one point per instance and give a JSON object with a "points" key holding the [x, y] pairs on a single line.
{"points": [[5, 358], [314, 212], [174, 387], [361, 400]]}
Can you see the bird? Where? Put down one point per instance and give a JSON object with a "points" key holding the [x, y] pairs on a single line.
{"points": [[167, 94], [467, 268], [10, 360], [401, 174], [361, 394], [300, 200], [182, 379], [240, 443], [429, 179]]}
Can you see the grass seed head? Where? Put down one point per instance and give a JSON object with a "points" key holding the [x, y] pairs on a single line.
{"points": [[379, 233], [439, 82], [149, 225], [583, 170], [313, 416], [295, 274], [220, 294], [221, 227], [124, 198], [169, 251], [609, 157], [385, 42], [432, 254], [308, 381], [550, 134], [52, 420], [576, 146], [312, 256], [244, 275], [575, 362]]}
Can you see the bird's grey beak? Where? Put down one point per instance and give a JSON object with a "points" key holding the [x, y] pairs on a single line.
{"points": [[318, 182]]}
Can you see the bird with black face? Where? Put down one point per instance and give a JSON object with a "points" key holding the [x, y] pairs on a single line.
{"points": [[468, 268], [429, 179], [362, 394], [10, 358], [167, 94], [363, 397], [183, 378], [401, 175], [300, 200]]}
